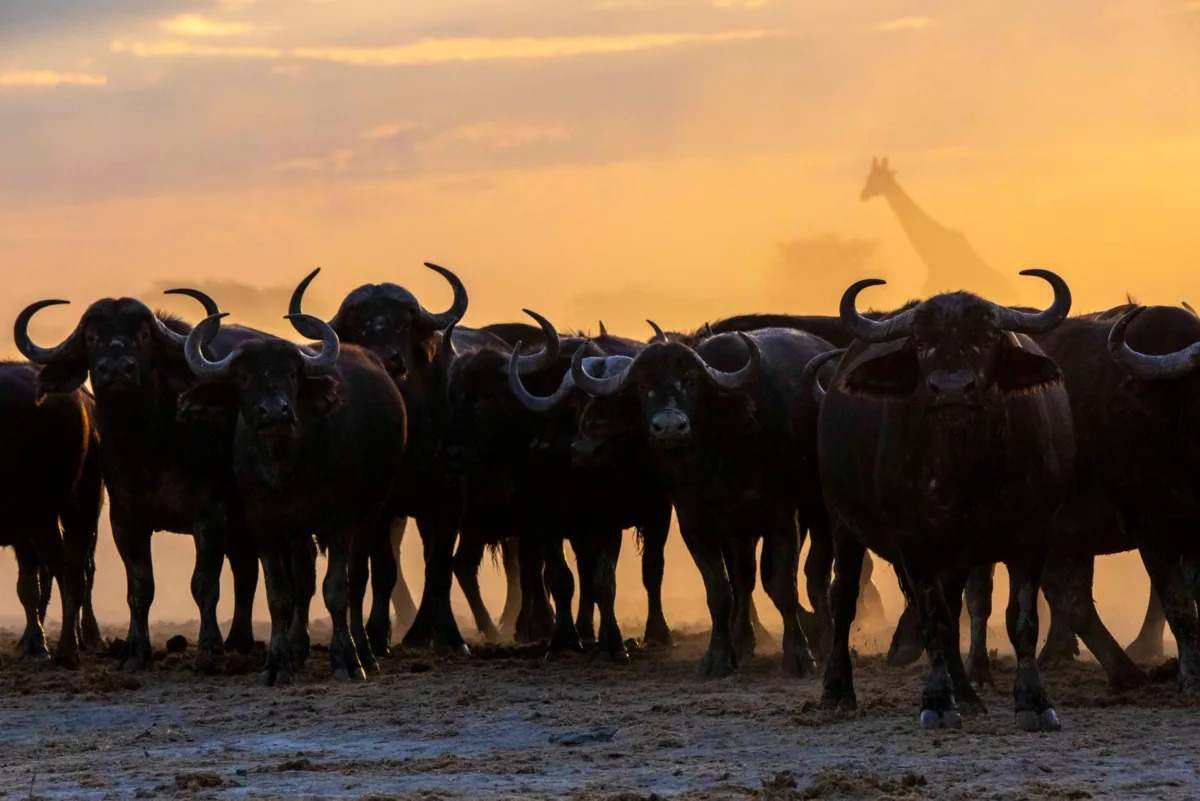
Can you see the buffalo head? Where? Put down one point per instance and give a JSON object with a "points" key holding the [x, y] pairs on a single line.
{"points": [[388, 320], [118, 341], [952, 352], [273, 384]]}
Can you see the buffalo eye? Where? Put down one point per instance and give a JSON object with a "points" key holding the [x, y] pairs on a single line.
{"points": [[143, 335], [91, 337], [243, 379]]}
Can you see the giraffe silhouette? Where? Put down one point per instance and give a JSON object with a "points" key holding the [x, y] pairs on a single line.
{"points": [[950, 261]]}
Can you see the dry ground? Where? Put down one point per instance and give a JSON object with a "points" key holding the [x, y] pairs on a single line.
{"points": [[508, 724]]}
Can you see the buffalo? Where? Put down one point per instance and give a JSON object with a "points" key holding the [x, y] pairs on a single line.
{"points": [[162, 473], [731, 436], [414, 346], [946, 442], [52, 498], [318, 443], [610, 461]]}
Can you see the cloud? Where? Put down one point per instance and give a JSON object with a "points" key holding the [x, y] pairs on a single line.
{"points": [[334, 161], [507, 135], [439, 51], [389, 130], [43, 78], [905, 24], [196, 25]]}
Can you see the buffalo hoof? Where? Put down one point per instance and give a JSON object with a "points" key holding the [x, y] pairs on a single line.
{"points": [[1188, 684], [616, 651], [933, 719], [89, 635], [1145, 649], [134, 659], [717, 663], [67, 658], [1046, 720], [349, 674], [207, 662], [241, 642], [799, 664], [1128, 679], [1057, 653], [839, 699], [274, 677], [565, 640], [490, 635], [658, 633], [32, 649], [979, 671]]}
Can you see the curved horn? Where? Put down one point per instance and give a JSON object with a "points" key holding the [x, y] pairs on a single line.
{"points": [[536, 403], [210, 308], [707, 330], [458, 308], [324, 360], [1144, 365], [607, 385], [1037, 322], [603, 330], [659, 336], [810, 374], [866, 329], [1188, 306], [193, 348], [529, 363], [295, 308], [36, 353], [738, 378], [210, 305]]}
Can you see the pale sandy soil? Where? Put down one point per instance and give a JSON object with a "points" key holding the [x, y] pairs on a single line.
{"points": [[507, 724]]}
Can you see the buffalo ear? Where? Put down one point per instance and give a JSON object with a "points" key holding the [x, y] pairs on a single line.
{"points": [[887, 369], [63, 376], [211, 402], [1018, 369], [322, 394]]}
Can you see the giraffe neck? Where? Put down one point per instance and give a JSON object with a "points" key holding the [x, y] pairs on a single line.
{"points": [[921, 229]]}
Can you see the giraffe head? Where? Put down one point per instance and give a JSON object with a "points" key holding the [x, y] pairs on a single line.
{"points": [[878, 179]]}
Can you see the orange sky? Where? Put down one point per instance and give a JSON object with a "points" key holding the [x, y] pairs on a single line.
{"points": [[616, 159]]}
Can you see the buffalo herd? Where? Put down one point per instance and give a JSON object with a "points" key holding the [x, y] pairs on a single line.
{"points": [[944, 436]]}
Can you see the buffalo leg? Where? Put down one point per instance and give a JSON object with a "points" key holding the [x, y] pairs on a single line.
{"points": [[467, 559], [654, 544], [243, 564], [32, 644], [1034, 709], [818, 568], [434, 624], [302, 564], [1180, 608], [938, 707], [343, 654], [277, 566], [705, 547], [209, 539], [1068, 589], [1065, 572], [780, 572], [512, 594], [89, 628], [979, 608], [562, 588], [385, 572], [604, 589], [66, 556], [906, 644], [952, 587], [838, 691], [1148, 645], [357, 575], [133, 544], [740, 562], [402, 601], [45, 591], [587, 562], [535, 622]]}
